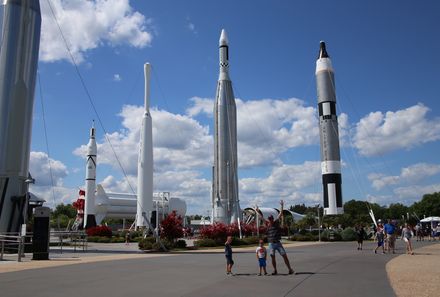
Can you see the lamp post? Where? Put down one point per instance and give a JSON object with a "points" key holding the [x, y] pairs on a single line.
{"points": [[257, 221], [319, 223]]}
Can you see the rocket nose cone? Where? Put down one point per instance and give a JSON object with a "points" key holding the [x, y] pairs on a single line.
{"points": [[223, 38], [322, 50]]}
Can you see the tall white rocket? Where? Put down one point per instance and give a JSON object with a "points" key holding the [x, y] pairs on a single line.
{"points": [[328, 128], [225, 202], [145, 161], [89, 208], [19, 45]]}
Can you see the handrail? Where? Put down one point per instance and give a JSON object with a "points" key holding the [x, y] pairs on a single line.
{"points": [[79, 238]]}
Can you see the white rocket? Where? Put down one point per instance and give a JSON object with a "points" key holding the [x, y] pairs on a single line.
{"points": [[19, 45], [328, 128], [145, 161], [225, 203], [89, 208]]}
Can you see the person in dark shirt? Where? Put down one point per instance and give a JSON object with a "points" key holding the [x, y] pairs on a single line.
{"points": [[228, 255], [360, 234], [274, 239]]}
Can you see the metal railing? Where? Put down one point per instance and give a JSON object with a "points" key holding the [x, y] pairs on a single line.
{"points": [[75, 239], [16, 242], [9, 241]]}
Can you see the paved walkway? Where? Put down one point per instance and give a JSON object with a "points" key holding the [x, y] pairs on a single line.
{"points": [[331, 269]]}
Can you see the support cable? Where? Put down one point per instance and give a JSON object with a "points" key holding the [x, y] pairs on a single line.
{"points": [[46, 137]]}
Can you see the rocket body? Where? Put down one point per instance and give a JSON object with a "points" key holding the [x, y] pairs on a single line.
{"points": [[145, 161], [89, 207], [329, 135], [226, 207], [19, 45]]}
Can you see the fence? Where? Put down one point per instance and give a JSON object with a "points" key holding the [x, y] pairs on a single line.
{"points": [[16, 242]]}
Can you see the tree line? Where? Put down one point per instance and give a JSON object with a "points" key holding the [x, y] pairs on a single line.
{"points": [[356, 212]]}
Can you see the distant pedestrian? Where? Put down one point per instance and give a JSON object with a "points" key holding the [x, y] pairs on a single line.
{"points": [[419, 232], [407, 234], [390, 233], [127, 237], [274, 239], [437, 231], [360, 234], [379, 237], [228, 255], [261, 256], [428, 231]]}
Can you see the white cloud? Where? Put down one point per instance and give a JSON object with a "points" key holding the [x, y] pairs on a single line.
{"points": [[200, 106], [414, 193], [180, 142], [268, 127], [379, 181], [40, 169], [408, 175], [285, 182], [56, 195], [419, 171], [117, 77], [87, 25], [191, 26], [379, 133]]}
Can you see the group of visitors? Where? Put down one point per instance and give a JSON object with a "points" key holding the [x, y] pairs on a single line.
{"points": [[386, 237], [428, 231], [275, 245]]}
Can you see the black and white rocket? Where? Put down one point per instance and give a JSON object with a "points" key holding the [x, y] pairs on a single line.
{"points": [[329, 135], [225, 202], [89, 208], [19, 45], [145, 160]]}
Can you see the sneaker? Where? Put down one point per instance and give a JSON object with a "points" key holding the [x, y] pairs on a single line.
{"points": [[375, 251], [259, 274], [274, 273], [265, 273]]}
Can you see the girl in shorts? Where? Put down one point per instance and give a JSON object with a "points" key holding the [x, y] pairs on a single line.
{"points": [[407, 234]]}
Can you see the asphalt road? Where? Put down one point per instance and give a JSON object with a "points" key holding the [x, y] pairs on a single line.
{"points": [[334, 269]]}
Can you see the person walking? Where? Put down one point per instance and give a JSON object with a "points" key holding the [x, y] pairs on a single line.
{"points": [[360, 234], [274, 239], [407, 234], [390, 233], [379, 237]]}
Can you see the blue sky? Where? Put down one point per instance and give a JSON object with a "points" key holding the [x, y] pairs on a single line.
{"points": [[385, 58]]}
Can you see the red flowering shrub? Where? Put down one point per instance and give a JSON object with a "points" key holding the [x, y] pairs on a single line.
{"points": [[216, 231], [172, 227], [219, 231], [103, 231]]}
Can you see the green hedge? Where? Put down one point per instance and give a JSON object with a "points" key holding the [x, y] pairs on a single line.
{"points": [[206, 242], [146, 243], [100, 239], [348, 234], [303, 237]]}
